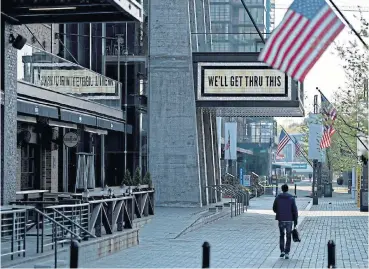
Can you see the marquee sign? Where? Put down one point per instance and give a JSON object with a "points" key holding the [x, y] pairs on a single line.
{"points": [[80, 82], [241, 81], [244, 81]]}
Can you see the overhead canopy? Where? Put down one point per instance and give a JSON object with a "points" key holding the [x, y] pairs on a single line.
{"points": [[64, 11]]}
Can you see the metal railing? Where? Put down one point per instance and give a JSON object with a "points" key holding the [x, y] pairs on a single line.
{"points": [[227, 42], [52, 224], [13, 232], [239, 197]]}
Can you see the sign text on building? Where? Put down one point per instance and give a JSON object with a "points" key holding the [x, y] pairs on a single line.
{"points": [[243, 81], [299, 166], [75, 81]]}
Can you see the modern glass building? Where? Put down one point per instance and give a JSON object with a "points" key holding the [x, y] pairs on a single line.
{"points": [[118, 51], [233, 31], [232, 27]]}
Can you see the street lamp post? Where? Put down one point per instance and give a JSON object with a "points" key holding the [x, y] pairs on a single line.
{"points": [[315, 162]]}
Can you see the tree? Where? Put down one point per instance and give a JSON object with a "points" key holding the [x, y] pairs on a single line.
{"points": [[351, 102], [147, 179], [137, 177], [127, 180]]}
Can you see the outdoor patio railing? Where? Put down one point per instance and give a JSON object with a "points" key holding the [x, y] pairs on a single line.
{"points": [[52, 224], [13, 231]]}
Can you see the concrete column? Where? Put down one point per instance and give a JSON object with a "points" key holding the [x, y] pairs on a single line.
{"points": [[82, 45], [213, 132], [54, 168], [103, 48], [173, 143], [19, 169], [209, 152], [102, 158], [8, 190], [208, 36], [193, 20], [65, 165], [202, 157], [200, 14], [216, 155]]}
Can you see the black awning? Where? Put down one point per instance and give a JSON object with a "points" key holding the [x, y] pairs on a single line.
{"points": [[69, 11]]}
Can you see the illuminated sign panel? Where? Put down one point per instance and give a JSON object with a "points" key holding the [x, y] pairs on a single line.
{"points": [[249, 81], [244, 81]]}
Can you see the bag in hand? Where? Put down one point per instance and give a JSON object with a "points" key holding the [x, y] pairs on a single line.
{"points": [[295, 236]]}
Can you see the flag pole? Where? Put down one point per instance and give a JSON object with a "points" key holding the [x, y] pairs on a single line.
{"points": [[293, 140], [354, 154], [344, 121], [349, 24], [303, 151]]}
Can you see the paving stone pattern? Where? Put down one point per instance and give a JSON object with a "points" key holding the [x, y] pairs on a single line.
{"points": [[245, 241], [251, 240]]}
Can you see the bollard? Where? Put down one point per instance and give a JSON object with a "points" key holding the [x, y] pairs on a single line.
{"points": [[206, 255], [295, 190], [331, 254], [74, 246]]}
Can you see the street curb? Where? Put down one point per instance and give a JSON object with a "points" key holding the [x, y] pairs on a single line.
{"points": [[202, 221], [307, 208]]}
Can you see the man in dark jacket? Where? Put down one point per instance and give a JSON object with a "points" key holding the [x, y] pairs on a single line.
{"points": [[286, 213]]}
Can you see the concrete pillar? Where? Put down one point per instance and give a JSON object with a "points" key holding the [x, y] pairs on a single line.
{"points": [[102, 158], [216, 155], [173, 143], [200, 15], [9, 184], [193, 24], [202, 157], [54, 170], [208, 36], [214, 150], [209, 152]]}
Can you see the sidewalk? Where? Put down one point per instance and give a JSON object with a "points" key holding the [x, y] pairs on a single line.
{"points": [[336, 219], [251, 240], [243, 241]]}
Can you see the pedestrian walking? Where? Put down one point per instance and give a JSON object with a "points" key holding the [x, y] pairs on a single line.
{"points": [[287, 214]]}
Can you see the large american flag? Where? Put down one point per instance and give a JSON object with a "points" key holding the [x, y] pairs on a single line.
{"points": [[283, 141], [307, 29], [329, 116]]}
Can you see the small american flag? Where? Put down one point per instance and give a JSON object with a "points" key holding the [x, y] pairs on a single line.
{"points": [[329, 116], [307, 29], [297, 149], [283, 141]]}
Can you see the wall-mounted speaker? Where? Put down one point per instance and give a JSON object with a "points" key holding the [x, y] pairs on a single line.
{"points": [[17, 42]]}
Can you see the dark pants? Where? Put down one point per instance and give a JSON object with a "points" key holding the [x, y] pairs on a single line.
{"points": [[285, 225]]}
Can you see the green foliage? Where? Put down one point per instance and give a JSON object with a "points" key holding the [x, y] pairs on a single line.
{"points": [[127, 180], [137, 177], [351, 103], [147, 179]]}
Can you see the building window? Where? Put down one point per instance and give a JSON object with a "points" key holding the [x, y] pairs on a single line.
{"points": [[29, 165], [220, 13]]}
